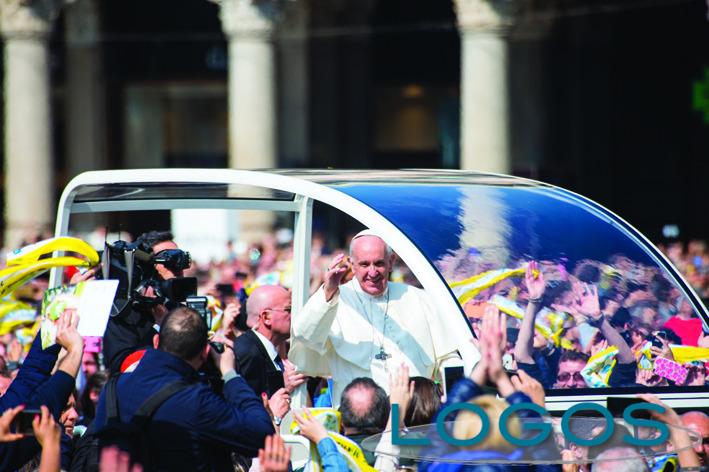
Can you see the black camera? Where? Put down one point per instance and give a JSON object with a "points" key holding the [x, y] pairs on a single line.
{"points": [[133, 265]]}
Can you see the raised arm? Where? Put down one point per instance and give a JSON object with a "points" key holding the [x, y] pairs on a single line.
{"points": [[334, 275], [240, 410], [588, 305], [679, 438], [312, 324], [525, 339]]}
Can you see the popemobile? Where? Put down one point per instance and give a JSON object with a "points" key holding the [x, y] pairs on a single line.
{"points": [[467, 239]]}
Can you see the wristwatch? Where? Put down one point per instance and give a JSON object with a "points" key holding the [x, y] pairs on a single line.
{"points": [[277, 420], [596, 322]]}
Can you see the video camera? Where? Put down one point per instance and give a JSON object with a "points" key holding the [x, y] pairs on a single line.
{"points": [[133, 265]]}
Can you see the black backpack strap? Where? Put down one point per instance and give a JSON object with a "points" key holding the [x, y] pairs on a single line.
{"points": [[152, 403], [112, 399]]}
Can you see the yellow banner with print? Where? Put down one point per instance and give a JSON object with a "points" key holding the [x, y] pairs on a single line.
{"points": [[549, 324], [684, 354], [30, 261], [469, 288]]}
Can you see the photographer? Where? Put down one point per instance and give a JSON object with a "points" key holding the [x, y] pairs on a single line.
{"points": [[133, 328]]}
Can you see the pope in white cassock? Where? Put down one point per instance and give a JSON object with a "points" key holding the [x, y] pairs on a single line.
{"points": [[368, 326]]}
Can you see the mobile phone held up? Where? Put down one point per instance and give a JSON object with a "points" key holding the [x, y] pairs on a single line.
{"points": [[23, 421], [199, 304]]}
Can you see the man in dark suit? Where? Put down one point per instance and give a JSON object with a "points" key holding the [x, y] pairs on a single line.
{"points": [[268, 310]]}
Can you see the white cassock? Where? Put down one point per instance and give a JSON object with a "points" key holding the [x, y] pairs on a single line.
{"points": [[358, 335]]}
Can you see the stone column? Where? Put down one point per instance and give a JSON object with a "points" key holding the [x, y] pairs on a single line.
{"points": [[85, 94], [293, 96], [250, 28], [484, 27], [528, 111], [29, 182], [355, 83]]}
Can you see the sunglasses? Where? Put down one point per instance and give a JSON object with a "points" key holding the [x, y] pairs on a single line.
{"points": [[282, 310], [173, 259], [565, 376]]}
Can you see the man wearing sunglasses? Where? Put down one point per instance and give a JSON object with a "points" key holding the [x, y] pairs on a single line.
{"points": [[134, 330], [269, 313], [699, 423], [570, 365]]}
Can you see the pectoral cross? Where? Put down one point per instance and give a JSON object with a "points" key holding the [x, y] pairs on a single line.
{"points": [[382, 356]]}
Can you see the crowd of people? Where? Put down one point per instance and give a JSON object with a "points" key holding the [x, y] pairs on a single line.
{"points": [[179, 396]]}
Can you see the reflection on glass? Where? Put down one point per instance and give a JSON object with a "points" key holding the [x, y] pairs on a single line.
{"points": [[609, 315]]}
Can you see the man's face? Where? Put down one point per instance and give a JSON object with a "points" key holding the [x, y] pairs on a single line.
{"points": [[370, 264], [88, 364], [278, 315], [569, 375], [700, 425], [163, 271]]}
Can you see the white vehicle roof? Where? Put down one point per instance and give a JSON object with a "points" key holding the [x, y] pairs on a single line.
{"points": [[442, 224]]}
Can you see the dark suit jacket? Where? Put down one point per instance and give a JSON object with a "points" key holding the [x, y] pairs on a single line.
{"points": [[255, 365], [195, 429]]}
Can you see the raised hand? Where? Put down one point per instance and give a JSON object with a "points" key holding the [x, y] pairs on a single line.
{"points": [[88, 275], [6, 420], [335, 273], [401, 389], [231, 312], [664, 351], [493, 343], [46, 430], [275, 456], [535, 283], [530, 386], [669, 416], [225, 361], [67, 335], [310, 427], [479, 373], [587, 300], [599, 347], [494, 328]]}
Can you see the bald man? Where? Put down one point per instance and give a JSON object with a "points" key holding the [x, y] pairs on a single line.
{"points": [[268, 314], [614, 459], [699, 423], [367, 327]]}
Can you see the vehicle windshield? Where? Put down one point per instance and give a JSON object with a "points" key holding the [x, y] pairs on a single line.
{"points": [[480, 239]]}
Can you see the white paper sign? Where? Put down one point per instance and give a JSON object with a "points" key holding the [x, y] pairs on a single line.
{"points": [[95, 306], [91, 300]]}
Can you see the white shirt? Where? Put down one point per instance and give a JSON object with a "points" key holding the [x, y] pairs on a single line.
{"points": [[270, 348], [344, 336]]}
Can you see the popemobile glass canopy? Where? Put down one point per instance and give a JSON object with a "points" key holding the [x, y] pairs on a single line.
{"points": [[465, 236]]}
